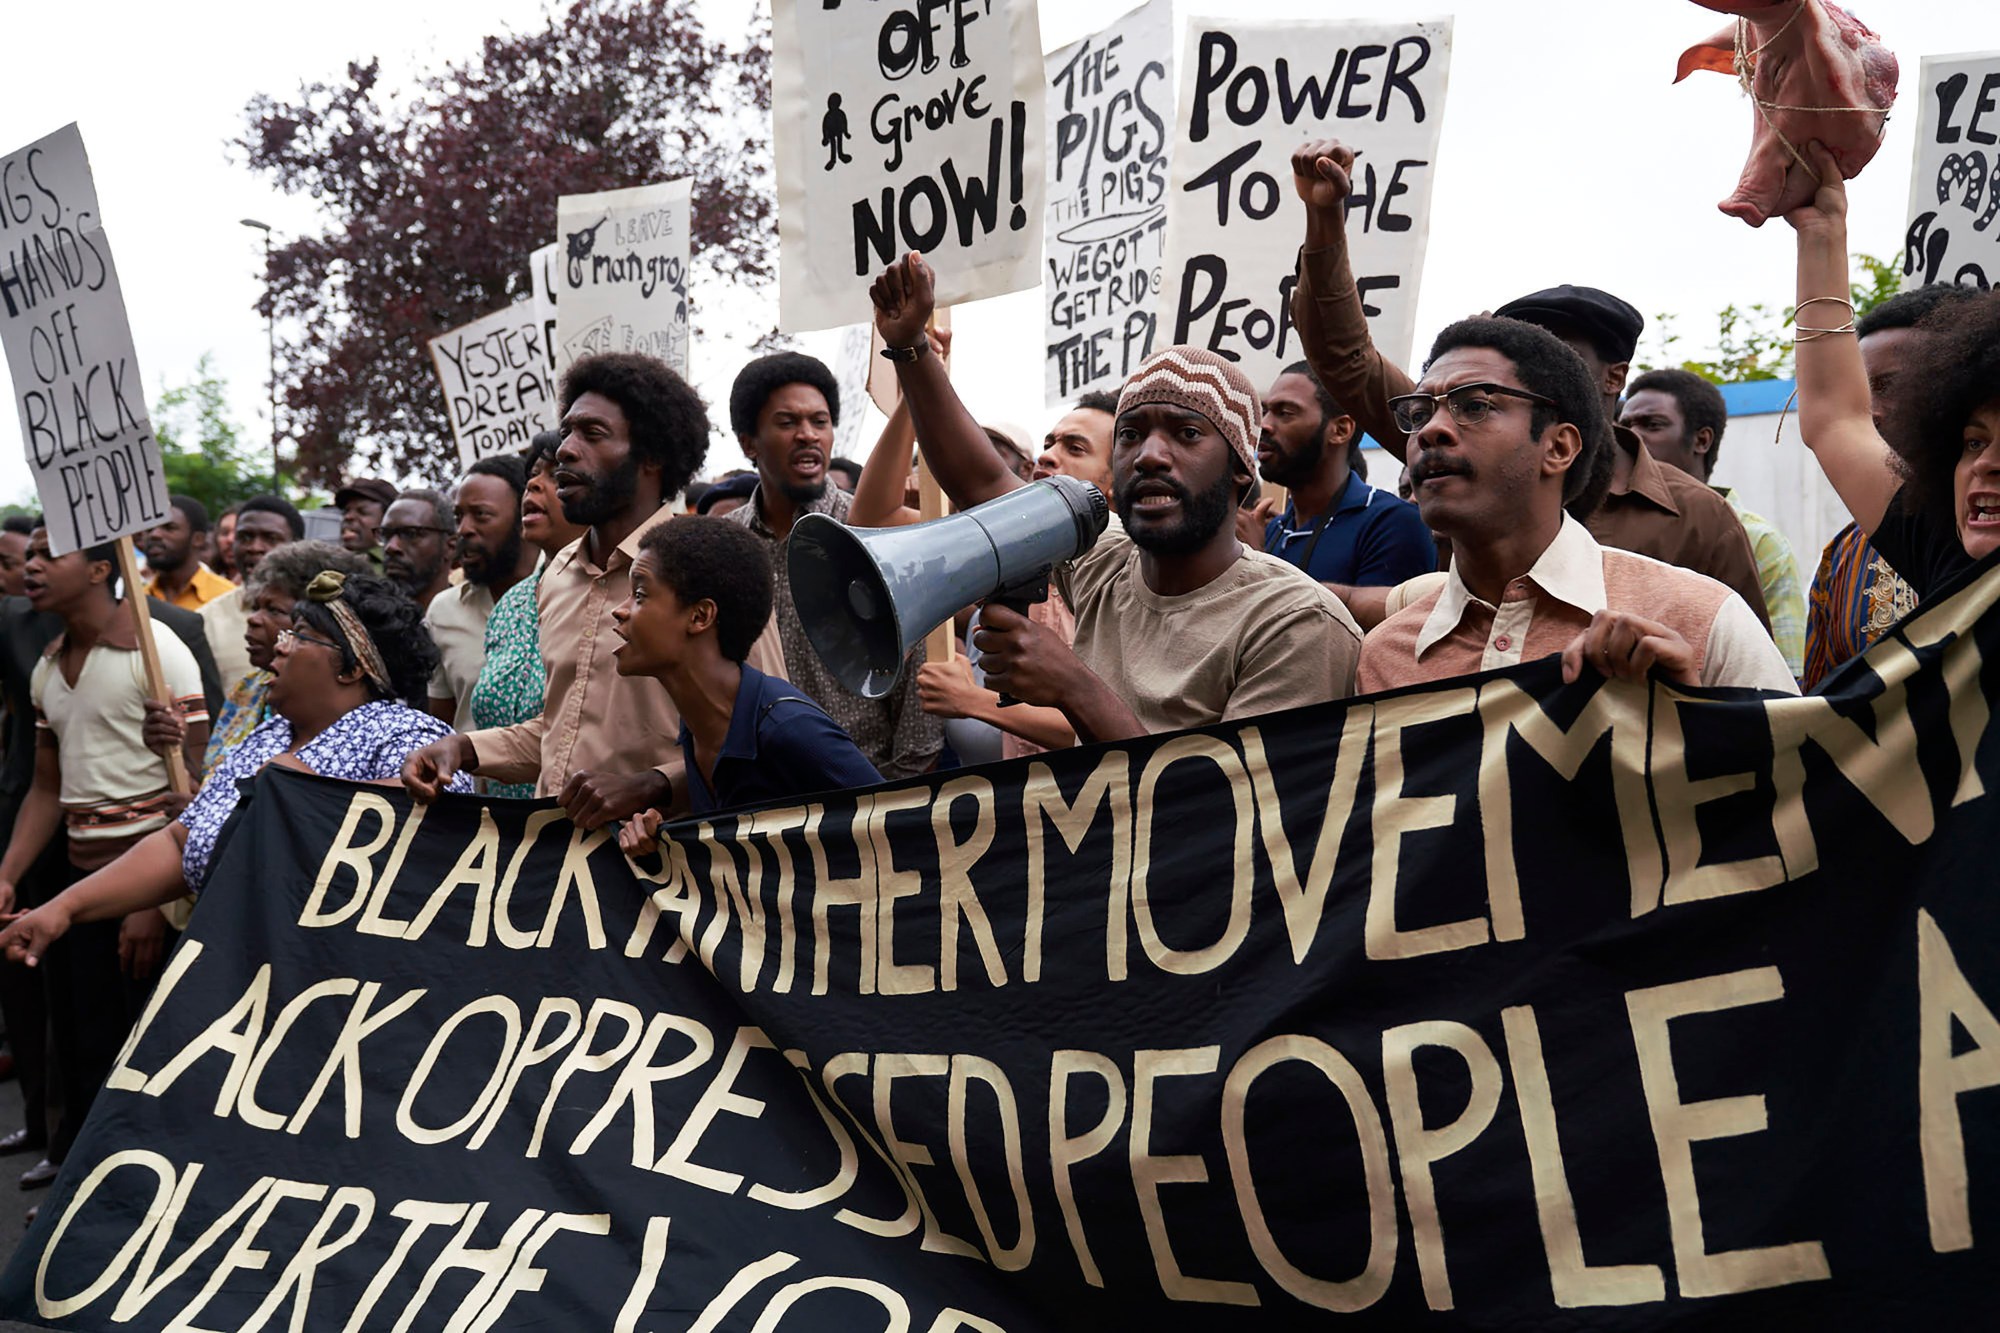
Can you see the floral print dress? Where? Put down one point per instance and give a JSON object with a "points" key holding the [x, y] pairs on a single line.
{"points": [[511, 684], [366, 744]]}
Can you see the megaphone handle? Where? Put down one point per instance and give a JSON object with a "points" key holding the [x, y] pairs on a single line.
{"points": [[1020, 597], [1013, 602]]}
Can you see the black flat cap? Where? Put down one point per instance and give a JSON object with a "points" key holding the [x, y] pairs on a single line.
{"points": [[729, 488], [365, 488], [1613, 326]]}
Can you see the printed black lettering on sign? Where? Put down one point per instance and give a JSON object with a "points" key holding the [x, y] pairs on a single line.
{"points": [[1489, 1004], [621, 276], [1251, 94], [1109, 98], [77, 387], [494, 373], [1954, 228], [907, 129]]}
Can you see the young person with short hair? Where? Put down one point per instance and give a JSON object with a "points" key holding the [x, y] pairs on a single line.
{"points": [[701, 594]]}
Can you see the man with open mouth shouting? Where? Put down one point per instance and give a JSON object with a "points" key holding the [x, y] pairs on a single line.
{"points": [[783, 409], [1178, 624]]}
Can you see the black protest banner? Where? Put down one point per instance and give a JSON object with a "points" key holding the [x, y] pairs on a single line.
{"points": [[907, 125], [1110, 107], [1954, 225], [1488, 1005], [494, 374], [77, 385], [1250, 94]]}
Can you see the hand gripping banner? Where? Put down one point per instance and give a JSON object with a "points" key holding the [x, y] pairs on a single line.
{"points": [[1488, 1005]]}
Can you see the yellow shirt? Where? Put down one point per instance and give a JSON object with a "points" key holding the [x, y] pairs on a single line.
{"points": [[203, 588]]}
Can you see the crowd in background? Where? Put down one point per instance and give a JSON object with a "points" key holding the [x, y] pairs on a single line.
{"points": [[590, 623]]}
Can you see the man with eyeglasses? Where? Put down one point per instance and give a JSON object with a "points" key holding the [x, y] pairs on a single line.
{"points": [[1357, 540], [1647, 506], [416, 544], [1508, 437]]}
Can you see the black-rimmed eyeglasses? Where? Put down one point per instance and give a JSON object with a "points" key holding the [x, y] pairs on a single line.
{"points": [[1469, 404]]}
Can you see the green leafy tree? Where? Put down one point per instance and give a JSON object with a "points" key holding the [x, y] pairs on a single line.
{"points": [[201, 449], [1755, 342]]}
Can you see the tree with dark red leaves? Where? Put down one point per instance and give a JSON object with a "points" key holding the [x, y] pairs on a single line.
{"points": [[435, 202]]}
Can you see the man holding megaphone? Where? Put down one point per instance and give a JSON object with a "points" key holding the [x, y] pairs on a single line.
{"points": [[1178, 624]]}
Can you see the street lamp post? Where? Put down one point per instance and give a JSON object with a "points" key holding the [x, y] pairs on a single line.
{"points": [[271, 338]]}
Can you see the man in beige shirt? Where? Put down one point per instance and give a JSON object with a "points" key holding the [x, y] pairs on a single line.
{"points": [[1178, 624], [493, 557], [607, 746], [263, 524], [1506, 430]]}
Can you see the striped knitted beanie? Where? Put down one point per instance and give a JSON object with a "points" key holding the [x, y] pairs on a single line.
{"points": [[1203, 382]]}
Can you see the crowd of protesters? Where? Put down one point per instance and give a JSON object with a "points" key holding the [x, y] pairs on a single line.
{"points": [[587, 623]]}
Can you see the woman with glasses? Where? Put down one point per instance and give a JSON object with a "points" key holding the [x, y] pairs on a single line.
{"points": [[348, 678], [273, 590]]}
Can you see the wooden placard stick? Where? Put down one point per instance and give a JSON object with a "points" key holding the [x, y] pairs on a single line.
{"points": [[149, 654], [941, 644]]}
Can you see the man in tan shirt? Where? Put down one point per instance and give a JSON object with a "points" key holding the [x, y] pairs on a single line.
{"points": [[1646, 507], [1178, 624], [1506, 432], [633, 435]]}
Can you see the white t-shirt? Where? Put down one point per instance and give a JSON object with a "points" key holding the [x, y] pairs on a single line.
{"points": [[111, 783]]}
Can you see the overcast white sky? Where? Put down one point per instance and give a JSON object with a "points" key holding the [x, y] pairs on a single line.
{"points": [[1568, 155]]}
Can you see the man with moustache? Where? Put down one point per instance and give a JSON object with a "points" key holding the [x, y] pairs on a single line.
{"points": [[1646, 507], [1507, 430], [493, 558], [1336, 527], [783, 409], [416, 544], [1178, 624], [633, 435]]}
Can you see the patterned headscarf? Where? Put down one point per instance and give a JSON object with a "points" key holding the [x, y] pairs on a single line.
{"points": [[328, 589], [1203, 382]]}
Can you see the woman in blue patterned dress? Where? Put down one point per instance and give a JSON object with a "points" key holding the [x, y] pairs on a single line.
{"points": [[511, 682], [343, 680]]}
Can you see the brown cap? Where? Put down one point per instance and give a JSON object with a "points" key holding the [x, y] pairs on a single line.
{"points": [[365, 488]]}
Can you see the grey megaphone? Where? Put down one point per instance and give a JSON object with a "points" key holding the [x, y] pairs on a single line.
{"points": [[868, 595]]}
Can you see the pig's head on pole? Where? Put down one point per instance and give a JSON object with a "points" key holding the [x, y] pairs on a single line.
{"points": [[1814, 73]]}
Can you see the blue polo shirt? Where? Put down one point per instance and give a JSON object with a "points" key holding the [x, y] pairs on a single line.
{"points": [[780, 745], [1372, 539]]}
